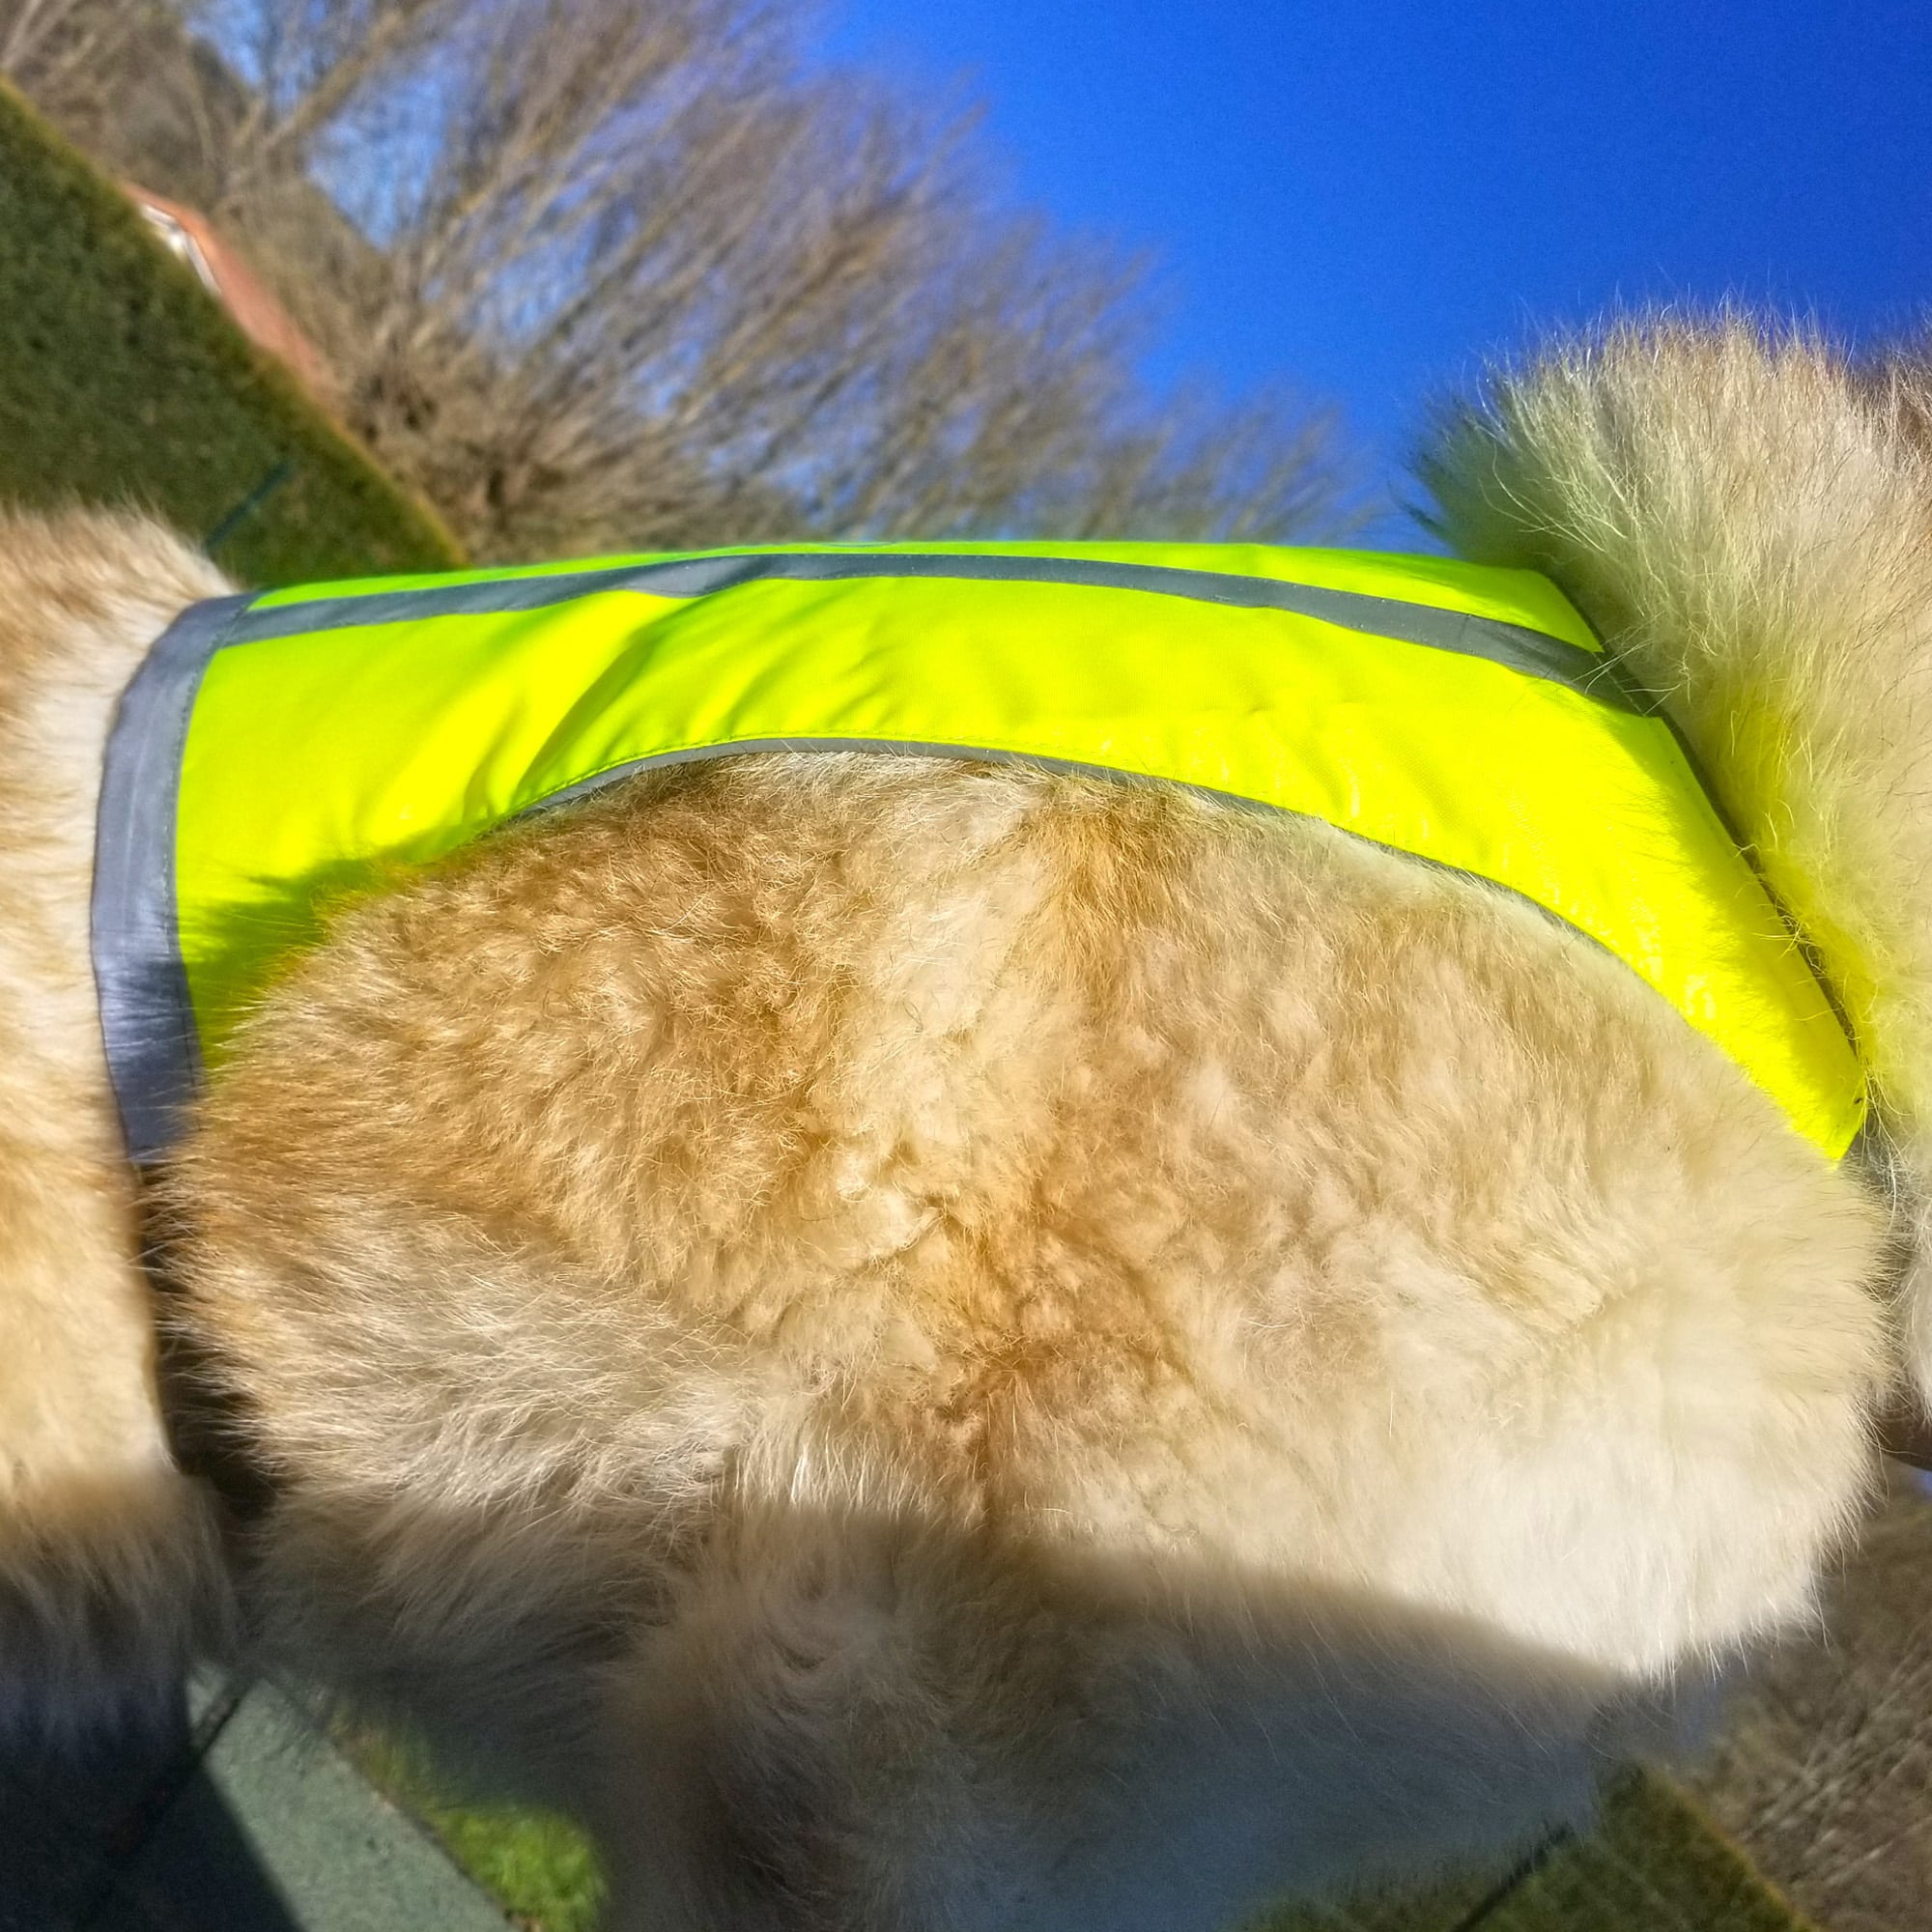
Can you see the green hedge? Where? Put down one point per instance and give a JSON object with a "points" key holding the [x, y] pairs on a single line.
{"points": [[122, 381]]}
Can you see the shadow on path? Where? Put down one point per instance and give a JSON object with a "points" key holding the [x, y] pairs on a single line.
{"points": [[230, 1813]]}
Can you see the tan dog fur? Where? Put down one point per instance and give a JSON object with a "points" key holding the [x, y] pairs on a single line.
{"points": [[107, 1562], [931, 1346]]}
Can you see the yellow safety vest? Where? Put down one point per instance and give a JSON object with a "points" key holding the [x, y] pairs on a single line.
{"points": [[276, 750]]}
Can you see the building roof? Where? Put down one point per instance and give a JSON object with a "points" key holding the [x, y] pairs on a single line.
{"points": [[187, 234]]}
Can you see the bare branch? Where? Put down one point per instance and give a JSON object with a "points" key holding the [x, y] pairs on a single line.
{"points": [[625, 274]]}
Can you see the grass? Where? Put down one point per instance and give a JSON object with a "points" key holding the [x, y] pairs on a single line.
{"points": [[1654, 1863], [539, 1868], [124, 382]]}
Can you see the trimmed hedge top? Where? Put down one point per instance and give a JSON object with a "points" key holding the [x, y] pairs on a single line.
{"points": [[123, 382]]}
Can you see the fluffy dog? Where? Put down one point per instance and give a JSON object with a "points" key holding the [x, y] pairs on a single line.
{"points": [[932, 1346]]}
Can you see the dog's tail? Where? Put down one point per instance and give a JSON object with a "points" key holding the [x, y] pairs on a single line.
{"points": [[1747, 522]]}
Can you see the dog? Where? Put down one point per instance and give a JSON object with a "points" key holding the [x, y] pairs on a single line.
{"points": [[925, 1344]]}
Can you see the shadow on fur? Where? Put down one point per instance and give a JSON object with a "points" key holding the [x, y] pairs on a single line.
{"points": [[871, 1723]]}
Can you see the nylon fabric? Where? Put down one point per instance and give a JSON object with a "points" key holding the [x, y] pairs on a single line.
{"points": [[320, 758]]}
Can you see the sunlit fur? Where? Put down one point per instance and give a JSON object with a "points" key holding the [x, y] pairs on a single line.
{"points": [[1750, 527], [106, 1558], [940, 1346]]}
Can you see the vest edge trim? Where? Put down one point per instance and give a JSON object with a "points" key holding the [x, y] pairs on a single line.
{"points": [[1516, 647], [147, 1016]]}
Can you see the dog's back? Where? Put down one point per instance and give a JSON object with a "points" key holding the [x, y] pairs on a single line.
{"points": [[1000, 1299], [939, 1345]]}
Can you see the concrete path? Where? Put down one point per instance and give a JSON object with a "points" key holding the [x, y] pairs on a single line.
{"points": [[237, 1818]]}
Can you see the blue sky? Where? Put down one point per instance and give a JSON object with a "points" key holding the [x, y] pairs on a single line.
{"points": [[1367, 197]]}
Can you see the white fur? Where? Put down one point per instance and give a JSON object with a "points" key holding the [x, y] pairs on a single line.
{"points": [[1746, 521], [105, 1554], [933, 1347]]}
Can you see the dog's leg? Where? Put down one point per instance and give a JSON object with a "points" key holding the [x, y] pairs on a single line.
{"points": [[107, 1563]]}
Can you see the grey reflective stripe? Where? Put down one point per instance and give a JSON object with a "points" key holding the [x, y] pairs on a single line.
{"points": [[147, 1021], [147, 1014], [1534, 653], [916, 747], [1068, 767]]}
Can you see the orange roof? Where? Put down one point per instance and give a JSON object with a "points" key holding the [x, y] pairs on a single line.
{"points": [[187, 234]]}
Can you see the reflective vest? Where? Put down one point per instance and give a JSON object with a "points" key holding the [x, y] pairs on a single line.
{"points": [[274, 752]]}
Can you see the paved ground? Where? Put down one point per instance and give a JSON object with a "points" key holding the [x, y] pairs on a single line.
{"points": [[236, 1818], [1653, 1865], [1825, 1769]]}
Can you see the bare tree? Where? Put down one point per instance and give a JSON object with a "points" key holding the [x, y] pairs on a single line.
{"points": [[613, 273], [45, 44], [126, 82], [65, 53]]}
